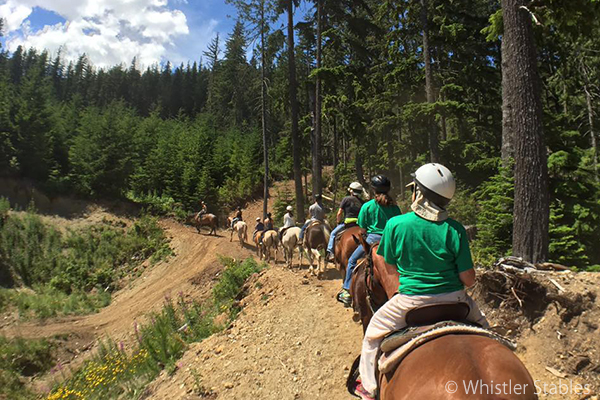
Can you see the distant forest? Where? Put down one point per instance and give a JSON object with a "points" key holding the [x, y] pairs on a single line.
{"points": [[364, 86]]}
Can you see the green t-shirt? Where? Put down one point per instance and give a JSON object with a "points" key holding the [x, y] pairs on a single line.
{"points": [[429, 255], [373, 217]]}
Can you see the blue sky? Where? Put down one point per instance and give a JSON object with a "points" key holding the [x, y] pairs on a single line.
{"points": [[114, 31]]}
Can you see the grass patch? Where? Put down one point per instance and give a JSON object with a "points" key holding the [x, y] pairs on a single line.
{"points": [[22, 358], [71, 272], [116, 372], [46, 301]]}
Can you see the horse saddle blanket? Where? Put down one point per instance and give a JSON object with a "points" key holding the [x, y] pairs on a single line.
{"points": [[313, 223], [398, 345]]}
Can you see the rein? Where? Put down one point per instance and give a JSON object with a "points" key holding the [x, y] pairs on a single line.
{"points": [[369, 272]]}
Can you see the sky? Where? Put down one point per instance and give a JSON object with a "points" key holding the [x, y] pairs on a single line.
{"points": [[112, 32]]}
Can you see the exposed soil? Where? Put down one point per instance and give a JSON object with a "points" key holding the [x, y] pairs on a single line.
{"points": [[293, 340]]}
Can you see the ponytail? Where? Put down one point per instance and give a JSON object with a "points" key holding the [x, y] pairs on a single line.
{"points": [[384, 200]]}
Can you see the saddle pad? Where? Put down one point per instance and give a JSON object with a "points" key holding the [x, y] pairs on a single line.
{"points": [[390, 360], [398, 338], [313, 223]]}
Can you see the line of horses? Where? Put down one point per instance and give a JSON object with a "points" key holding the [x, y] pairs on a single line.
{"points": [[446, 367]]}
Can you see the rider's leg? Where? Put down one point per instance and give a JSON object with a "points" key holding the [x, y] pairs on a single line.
{"points": [[332, 238], [390, 317], [303, 229], [357, 255]]}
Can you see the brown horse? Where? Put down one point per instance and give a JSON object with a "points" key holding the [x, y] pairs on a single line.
{"points": [[259, 248], [209, 220], [370, 289], [345, 246], [445, 367], [316, 238]]}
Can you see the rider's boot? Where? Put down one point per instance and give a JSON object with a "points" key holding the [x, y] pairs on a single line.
{"points": [[344, 297]]}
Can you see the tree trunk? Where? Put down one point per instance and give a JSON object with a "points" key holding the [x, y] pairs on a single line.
{"points": [[316, 157], [360, 173], [263, 100], [294, 111], [335, 159], [507, 152], [590, 112], [432, 128], [522, 97], [443, 122]]}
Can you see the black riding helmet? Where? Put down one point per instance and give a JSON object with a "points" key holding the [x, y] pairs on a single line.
{"points": [[381, 184]]}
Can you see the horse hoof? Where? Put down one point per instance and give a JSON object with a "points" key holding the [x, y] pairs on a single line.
{"points": [[356, 317]]}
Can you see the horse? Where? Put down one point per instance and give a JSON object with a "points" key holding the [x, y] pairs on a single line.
{"points": [[242, 231], [289, 241], [209, 220], [259, 248], [370, 289], [345, 246], [441, 368], [270, 242], [316, 238]]}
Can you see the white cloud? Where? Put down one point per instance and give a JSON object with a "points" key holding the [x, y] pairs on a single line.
{"points": [[109, 32]]}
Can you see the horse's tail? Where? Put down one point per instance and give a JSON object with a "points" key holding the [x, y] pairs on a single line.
{"points": [[353, 377], [245, 228]]}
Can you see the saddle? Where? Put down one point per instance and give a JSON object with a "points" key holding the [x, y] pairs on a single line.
{"points": [[429, 322], [339, 234], [313, 223]]}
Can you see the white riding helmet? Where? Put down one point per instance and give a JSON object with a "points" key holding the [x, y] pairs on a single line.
{"points": [[436, 183], [257, 219], [356, 187], [289, 208]]}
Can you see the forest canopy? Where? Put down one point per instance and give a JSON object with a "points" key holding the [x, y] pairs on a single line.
{"points": [[195, 131]]}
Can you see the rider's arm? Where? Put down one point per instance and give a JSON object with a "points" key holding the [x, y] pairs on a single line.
{"points": [[467, 277], [339, 216]]}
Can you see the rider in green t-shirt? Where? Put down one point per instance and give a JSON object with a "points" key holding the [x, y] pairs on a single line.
{"points": [[431, 253], [372, 217]]}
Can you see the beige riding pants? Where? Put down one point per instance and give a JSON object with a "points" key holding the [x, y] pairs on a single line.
{"points": [[391, 317]]}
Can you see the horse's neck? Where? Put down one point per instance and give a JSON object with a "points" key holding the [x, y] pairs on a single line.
{"points": [[387, 276]]}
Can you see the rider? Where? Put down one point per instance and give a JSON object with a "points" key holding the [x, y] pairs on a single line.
{"points": [[316, 212], [373, 217], [349, 209], [260, 227], [267, 227], [238, 217], [288, 221], [203, 210], [432, 255]]}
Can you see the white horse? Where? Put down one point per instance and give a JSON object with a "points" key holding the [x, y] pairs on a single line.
{"points": [[270, 242], [316, 237], [290, 241], [242, 231]]}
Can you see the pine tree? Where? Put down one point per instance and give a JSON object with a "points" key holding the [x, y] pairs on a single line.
{"points": [[522, 97]]}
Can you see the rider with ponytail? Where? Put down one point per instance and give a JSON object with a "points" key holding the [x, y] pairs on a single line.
{"points": [[373, 217], [431, 253]]}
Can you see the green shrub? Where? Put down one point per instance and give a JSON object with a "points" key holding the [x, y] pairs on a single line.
{"points": [[95, 256], [494, 219], [22, 357]]}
